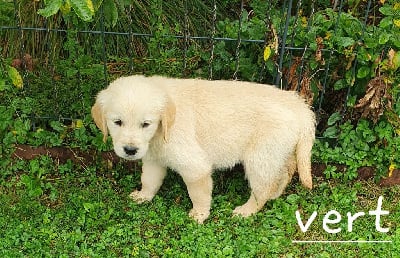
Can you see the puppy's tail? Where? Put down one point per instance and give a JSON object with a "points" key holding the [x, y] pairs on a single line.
{"points": [[303, 156]]}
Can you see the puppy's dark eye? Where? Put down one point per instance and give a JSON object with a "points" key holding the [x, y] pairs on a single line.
{"points": [[145, 124], [118, 122]]}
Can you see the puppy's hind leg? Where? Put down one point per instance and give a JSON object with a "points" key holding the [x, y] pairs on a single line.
{"points": [[267, 180]]}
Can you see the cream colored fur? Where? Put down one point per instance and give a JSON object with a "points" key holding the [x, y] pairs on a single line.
{"points": [[195, 126]]}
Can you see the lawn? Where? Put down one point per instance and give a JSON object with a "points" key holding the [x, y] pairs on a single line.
{"points": [[68, 210]]}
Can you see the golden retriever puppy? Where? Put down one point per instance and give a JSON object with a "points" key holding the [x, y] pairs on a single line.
{"points": [[195, 126]]}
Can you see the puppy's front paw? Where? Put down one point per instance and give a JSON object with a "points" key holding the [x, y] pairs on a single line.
{"points": [[244, 211], [140, 197], [199, 216]]}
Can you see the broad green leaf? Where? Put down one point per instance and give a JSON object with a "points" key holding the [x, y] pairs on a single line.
{"points": [[345, 41], [111, 12], [350, 24], [386, 10], [66, 7], [363, 72], [57, 126], [340, 84], [385, 22], [2, 85], [313, 64], [51, 8], [351, 101], [330, 132], [335, 117], [395, 40], [15, 77], [83, 8], [383, 38], [88, 206]]}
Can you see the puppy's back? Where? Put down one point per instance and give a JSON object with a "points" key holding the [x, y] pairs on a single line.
{"points": [[237, 98]]}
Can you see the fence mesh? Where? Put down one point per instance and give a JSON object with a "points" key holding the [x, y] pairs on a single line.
{"points": [[298, 45]]}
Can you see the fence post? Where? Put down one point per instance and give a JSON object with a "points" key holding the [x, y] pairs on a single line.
{"points": [[278, 81], [239, 41], [103, 42], [214, 24], [185, 37], [326, 81]]}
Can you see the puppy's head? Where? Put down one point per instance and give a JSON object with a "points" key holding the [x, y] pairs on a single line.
{"points": [[133, 110]]}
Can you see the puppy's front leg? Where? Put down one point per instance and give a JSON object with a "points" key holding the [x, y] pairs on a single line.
{"points": [[152, 178], [200, 191]]}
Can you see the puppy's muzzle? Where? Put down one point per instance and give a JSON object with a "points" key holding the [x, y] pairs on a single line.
{"points": [[130, 150]]}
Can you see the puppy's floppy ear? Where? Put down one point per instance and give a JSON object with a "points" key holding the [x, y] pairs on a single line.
{"points": [[167, 118], [99, 119]]}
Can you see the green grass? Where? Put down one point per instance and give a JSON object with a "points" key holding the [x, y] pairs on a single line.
{"points": [[46, 211]]}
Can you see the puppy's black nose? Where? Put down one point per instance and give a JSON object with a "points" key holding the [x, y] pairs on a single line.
{"points": [[130, 150]]}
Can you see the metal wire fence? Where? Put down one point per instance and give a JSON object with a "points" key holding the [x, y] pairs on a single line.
{"points": [[293, 44]]}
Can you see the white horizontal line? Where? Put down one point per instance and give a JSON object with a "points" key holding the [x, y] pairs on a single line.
{"points": [[340, 241]]}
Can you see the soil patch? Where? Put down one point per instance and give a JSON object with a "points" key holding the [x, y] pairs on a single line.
{"points": [[87, 157], [62, 154]]}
